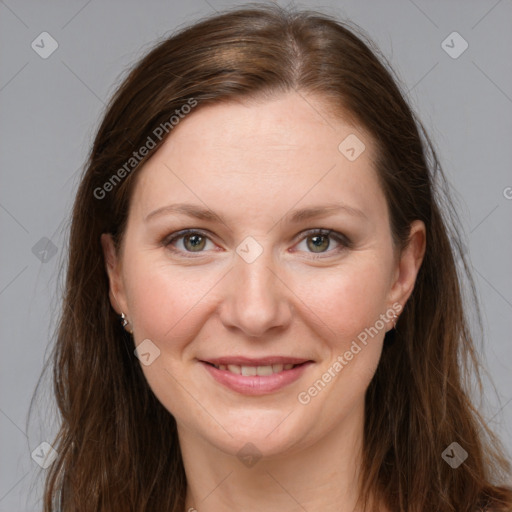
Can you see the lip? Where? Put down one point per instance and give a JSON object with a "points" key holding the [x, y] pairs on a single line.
{"points": [[257, 384], [262, 361]]}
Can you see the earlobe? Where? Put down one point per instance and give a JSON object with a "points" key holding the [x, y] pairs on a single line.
{"points": [[409, 263]]}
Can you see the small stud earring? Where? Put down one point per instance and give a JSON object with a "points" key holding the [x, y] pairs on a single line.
{"points": [[124, 323]]}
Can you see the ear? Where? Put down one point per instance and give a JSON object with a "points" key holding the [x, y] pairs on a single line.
{"points": [[113, 266], [408, 264]]}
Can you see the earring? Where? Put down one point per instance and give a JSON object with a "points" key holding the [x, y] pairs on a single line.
{"points": [[124, 323]]}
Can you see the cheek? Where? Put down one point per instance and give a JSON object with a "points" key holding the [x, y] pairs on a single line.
{"points": [[169, 304], [165, 300], [347, 299]]}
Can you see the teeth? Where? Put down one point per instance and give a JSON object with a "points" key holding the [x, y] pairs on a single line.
{"points": [[249, 371], [264, 370], [234, 368]]}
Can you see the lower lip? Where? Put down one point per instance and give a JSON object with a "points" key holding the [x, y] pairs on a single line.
{"points": [[257, 384]]}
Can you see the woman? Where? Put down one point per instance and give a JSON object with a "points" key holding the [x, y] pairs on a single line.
{"points": [[263, 309]]}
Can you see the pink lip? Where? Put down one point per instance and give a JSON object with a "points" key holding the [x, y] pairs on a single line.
{"points": [[257, 384]]}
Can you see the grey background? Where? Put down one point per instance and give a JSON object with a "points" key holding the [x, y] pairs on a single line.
{"points": [[50, 108]]}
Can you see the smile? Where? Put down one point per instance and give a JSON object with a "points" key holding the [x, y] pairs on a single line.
{"points": [[256, 379], [262, 371]]}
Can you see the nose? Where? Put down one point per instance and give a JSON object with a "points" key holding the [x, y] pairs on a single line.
{"points": [[257, 298]]}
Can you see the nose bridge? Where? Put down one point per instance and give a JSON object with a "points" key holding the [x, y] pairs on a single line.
{"points": [[254, 274], [258, 299]]}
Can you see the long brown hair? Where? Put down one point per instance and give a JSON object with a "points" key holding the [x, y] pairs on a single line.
{"points": [[117, 446]]}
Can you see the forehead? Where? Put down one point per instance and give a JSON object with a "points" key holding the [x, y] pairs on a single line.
{"points": [[261, 155], [291, 122]]}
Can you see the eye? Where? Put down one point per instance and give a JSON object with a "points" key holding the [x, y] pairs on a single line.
{"points": [[192, 241], [196, 241], [319, 240]]}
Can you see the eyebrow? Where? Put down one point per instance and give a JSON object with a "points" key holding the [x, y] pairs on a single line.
{"points": [[294, 217]]}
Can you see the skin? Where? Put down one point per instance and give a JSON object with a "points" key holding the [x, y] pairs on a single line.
{"points": [[254, 163]]}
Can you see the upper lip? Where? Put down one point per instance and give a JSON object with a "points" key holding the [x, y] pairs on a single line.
{"points": [[261, 361]]}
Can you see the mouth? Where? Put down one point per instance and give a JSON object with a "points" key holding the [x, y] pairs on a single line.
{"points": [[252, 370], [256, 376], [250, 367]]}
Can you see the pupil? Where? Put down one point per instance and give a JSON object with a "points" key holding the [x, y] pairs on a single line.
{"points": [[316, 239], [195, 240]]}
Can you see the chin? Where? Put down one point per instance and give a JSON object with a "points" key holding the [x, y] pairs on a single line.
{"points": [[261, 434]]}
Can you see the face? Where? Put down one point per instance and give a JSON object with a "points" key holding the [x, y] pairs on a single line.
{"points": [[265, 278]]}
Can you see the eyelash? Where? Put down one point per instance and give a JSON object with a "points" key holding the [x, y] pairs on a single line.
{"points": [[338, 237]]}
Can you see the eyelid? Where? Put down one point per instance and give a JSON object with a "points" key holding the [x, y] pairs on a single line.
{"points": [[342, 239]]}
